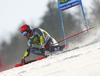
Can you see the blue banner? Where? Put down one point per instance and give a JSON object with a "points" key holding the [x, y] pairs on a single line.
{"points": [[65, 4]]}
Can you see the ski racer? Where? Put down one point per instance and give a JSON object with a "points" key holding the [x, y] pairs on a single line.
{"points": [[38, 39]]}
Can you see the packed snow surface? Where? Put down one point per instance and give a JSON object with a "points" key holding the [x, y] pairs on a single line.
{"points": [[83, 61]]}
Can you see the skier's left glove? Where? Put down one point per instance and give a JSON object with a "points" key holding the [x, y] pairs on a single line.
{"points": [[23, 60]]}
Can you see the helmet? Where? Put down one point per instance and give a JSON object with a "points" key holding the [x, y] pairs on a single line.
{"points": [[25, 29]]}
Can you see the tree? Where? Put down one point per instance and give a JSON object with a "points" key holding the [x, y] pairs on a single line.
{"points": [[51, 22], [96, 13]]}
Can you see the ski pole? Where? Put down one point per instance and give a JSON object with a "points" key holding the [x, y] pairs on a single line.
{"points": [[69, 37]]}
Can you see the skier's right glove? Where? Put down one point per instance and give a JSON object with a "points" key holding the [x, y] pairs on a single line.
{"points": [[23, 60], [42, 46]]}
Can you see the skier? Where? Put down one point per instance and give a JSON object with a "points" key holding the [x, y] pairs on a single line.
{"points": [[38, 39]]}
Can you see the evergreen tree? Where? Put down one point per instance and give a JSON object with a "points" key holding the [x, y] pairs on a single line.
{"points": [[51, 22], [96, 13]]}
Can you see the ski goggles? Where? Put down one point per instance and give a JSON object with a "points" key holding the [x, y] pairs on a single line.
{"points": [[24, 33]]}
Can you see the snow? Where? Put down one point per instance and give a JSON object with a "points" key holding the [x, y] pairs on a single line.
{"points": [[84, 61]]}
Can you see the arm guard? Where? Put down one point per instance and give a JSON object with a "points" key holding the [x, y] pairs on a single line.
{"points": [[27, 53]]}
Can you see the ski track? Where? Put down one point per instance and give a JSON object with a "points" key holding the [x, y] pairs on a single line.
{"points": [[84, 61]]}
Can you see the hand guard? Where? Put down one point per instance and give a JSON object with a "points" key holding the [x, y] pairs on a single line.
{"points": [[23, 60]]}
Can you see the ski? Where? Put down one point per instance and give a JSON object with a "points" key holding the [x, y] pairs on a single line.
{"points": [[29, 61], [48, 53]]}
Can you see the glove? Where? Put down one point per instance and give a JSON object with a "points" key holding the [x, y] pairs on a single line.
{"points": [[23, 60], [42, 46]]}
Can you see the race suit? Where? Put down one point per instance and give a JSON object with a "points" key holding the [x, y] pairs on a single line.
{"points": [[40, 37]]}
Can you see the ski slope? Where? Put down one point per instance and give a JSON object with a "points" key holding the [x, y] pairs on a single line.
{"points": [[84, 61]]}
